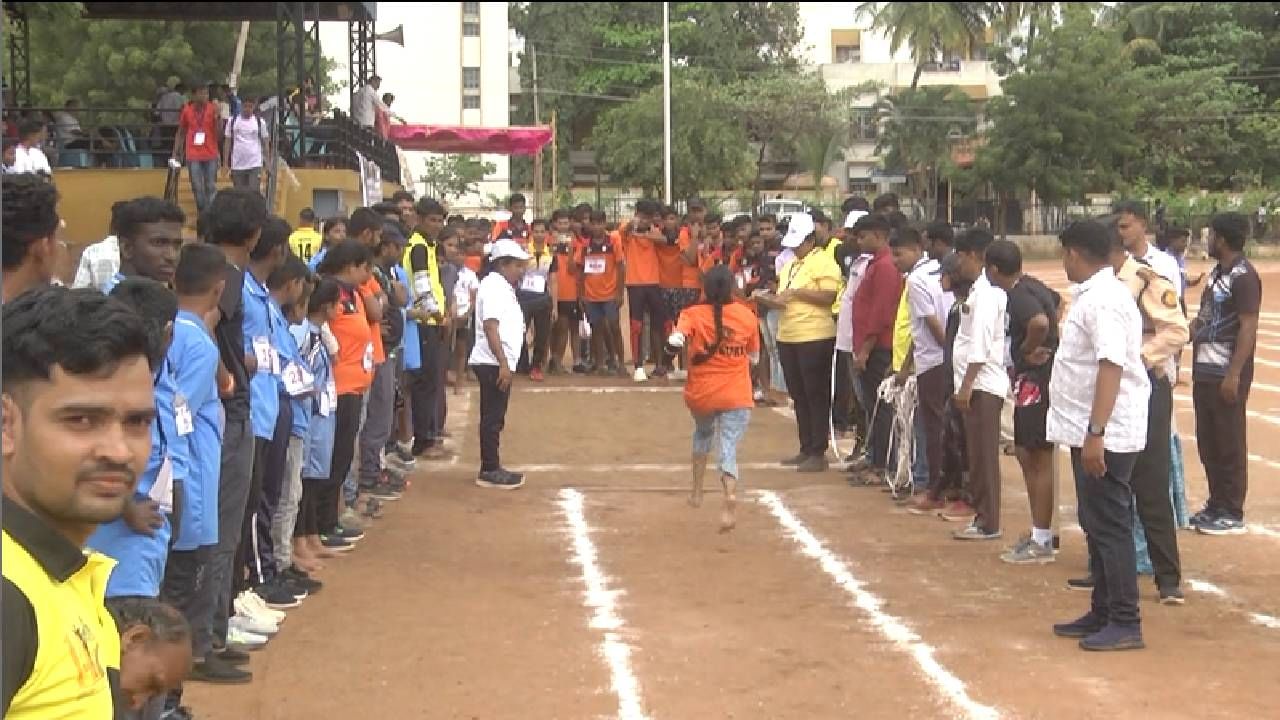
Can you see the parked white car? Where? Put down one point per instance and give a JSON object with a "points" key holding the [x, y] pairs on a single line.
{"points": [[782, 208]]}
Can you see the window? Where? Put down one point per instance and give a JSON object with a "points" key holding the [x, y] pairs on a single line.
{"points": [[865, 126], [470, 102], [470, 29], [848, 54], [470, 78], [471, 9]]}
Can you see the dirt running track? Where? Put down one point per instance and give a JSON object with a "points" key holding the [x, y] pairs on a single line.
{"points": [[826, 602]]}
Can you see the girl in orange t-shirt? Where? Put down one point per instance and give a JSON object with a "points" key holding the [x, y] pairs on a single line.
{"points": [[722, 336]]}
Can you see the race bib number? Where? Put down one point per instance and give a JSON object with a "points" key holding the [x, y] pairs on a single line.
{"points": [[422, 283], [367, 361], [328, 399], [264, 354], [297, 381], [198, 138], [594, 266], [182, 415], [533, 282], [742, 281]]}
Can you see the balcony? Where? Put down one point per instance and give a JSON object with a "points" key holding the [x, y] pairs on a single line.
{"points": [[978, 78]]}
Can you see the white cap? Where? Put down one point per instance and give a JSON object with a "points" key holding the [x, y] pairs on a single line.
{"points": [[799, 227], [853, 217], [507, 249]]}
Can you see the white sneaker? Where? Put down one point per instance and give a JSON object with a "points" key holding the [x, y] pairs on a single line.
{"points": [[679, 375], [248, 603], [254, 625], [640, 375], [236, 636]]}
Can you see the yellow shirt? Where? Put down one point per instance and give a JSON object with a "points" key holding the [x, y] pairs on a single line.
{"points": [[901, 333], [305, 242], [801, 321], [61, 638], [424, 280]]}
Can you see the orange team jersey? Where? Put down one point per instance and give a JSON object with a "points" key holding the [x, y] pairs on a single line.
{"points": [[475, 262], [670, 265], [598, 264], [722, 381], [690, 275], [641, 257], [710, 257], [353, 370], [566, 271], [368, 290]]}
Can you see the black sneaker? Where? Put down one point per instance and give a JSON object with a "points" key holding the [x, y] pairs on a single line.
{"points": [[1081, 583], [499, 480], [580, 369], [1081, 627], [336, 544], [382, 491], [214, 670], [1114, 637], [794, 461], [182, 712], [1172, 596], [277, 596], [232, 657], [302, 580], [351, 535], [813, 464]]}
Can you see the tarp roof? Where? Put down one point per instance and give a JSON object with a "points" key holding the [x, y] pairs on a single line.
{"points": [[254, 11], [471, 140]]}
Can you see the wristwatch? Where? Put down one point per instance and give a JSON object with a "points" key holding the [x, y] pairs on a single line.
{"points": [[1097, 430]]}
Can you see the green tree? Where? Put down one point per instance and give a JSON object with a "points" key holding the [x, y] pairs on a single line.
{"points": [[448, 177], [918, 128], [928, 28], [1065, 123]]}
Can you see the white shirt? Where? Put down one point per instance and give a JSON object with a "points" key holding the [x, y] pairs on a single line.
{"points": [[926, 298], [98, 264], [30, 160], [247, 135], [467, 283], [1103, 324], [1165, 265], [66, 126], [844, 319], [363, 109], [981, 339], [496, 300]]}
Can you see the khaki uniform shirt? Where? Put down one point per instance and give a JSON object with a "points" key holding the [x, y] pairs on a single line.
{"points": [[1164, 328]]}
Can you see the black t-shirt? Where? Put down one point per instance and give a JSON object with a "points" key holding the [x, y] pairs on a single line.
{"points": [[392, 320], [229, 335], [1027, 299]]}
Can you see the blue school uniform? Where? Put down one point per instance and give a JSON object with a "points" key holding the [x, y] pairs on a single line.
{"points": [[317, 445], [282, 338], [194, 359], [264, 395]]}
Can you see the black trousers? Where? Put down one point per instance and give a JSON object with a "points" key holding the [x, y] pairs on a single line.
{"points": [[807, 369], [244, 549], [493, 415], [879, 415], [932, 388], [426, 385], [1150, 482], [541, 335], [1220, 437], [263, 562], [185, 587], [346, 426], [308, 524], [1106, 514]]}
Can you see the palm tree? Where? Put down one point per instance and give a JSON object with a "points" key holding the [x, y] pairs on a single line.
{"points": [[1142, 24], [927, 27], [1009, 17], [918, 129]]}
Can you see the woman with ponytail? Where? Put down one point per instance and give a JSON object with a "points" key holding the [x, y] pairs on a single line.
{"points": [[722, 338]]}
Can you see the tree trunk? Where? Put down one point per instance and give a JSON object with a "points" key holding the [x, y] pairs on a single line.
{"points": [[1031, 40], [915, 79], [755, 184]]}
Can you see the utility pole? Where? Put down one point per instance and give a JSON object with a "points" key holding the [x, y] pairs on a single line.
{"points": [[666, 102], [537, 120], [555, 158], [238, 63]]}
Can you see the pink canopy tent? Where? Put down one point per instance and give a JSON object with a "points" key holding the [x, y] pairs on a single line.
{"points": [[471, 140]]}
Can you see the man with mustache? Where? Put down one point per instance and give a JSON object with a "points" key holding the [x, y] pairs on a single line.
{"points": [[77, 415]]}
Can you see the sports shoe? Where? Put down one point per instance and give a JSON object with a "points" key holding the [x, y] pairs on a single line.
{"points": [[1028, 552], [554, 368], [659, 372], [301, 579], [813, 464], [253, 625], [1172, 596], [757, 395], [182, 712], [536, 375], [1081, 627], [1114, 637], [957, 511], [403, 453], [232, 657], [336, 544], [248, 603], [499, 480], [351, 519], [349, 534], [580, 369], [372, 509], [1081, 583], [794, 461], [1222, 526], [246, 640], [621, 371], [679, 375], [974, 532], [213, 670], [924, 505], [393, 461], [639, 375], [277, 596], [382, 491]]}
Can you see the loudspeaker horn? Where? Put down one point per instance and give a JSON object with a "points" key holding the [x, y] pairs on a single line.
{"points": [[396, 36]]}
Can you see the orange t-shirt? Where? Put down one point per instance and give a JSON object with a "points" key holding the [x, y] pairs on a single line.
{"points": [[599, 268], [353, 370], [369, 289], [475, 262], [722, 381], [642, 258], [710, 257], [670, 264], [567, 272], [690, 275]]}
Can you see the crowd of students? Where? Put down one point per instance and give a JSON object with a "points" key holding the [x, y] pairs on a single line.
{"points": [[219, 419]]}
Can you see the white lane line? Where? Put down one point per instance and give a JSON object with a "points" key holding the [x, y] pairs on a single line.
{"points": [[1266, 621], [603, 603], [601, 390], [631, 468], [1253, 457], [892, 628]]}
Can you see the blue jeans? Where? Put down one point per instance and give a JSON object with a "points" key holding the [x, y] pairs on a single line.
{"points": [[204, 181], [769, 333], [728, 426]]}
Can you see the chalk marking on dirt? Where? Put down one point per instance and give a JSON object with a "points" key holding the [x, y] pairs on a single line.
{"points": [[1266, 621], [892, 628], [1208, 588], [602, 390], [1269, 419], [1253, 457], [603, 604], [637, 467]]}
